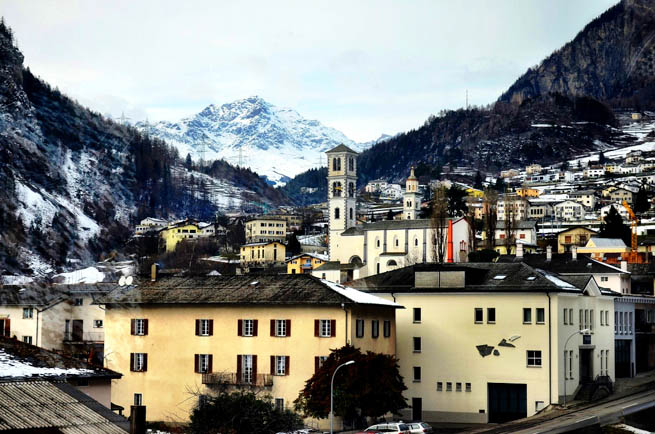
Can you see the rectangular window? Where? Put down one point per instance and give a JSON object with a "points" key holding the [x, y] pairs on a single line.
{"points": [[417, 344], [417, 314], [586, 318], [79, 301], [581, 320], [204, 327], [97, 323], [139, 327], [248, 327], [478, 315], [449, 387], [491, 315], [468, 387], [534, 358], [375, 328], [281, 367], [607, 317], [602, 317], [359, 328], [570, 364], [247, 368], [591, 319], [527, 315], [566, 316], [541, 316], [571, 316], [203, 363], [27, 339], [417, 374], [630, 322], [138, 399], [458, 387], [604, 278], [139, 362], [279, 404], [281, 327], [325, 328], [28, 312], [439, 386], [387, 328]]}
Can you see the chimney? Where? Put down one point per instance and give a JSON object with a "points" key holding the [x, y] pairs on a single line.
{"points": [[519, 250], [138, 419], [624, 265], [153, 272], [549, 253], [574, 253]]}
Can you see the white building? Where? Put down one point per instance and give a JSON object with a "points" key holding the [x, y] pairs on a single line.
{"points": [[569, 210]]}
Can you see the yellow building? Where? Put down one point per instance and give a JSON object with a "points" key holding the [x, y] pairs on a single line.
{"points": [[527, 192], [262, 229], [265, 253], [474, 192], [598, 247], [305, 263], [573, 236], [177, 232], [485, 342], [176, 336]]}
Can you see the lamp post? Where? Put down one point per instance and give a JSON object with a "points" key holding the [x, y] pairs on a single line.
{"points": [[331, 394], [582, 332]]}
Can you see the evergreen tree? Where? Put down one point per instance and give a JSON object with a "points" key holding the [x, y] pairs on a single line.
{"points": [[390, 215], [293, 245], [500, 185], [456, 201], [613, 227], [601, 158], [478, 181], [641, 201], [188, 163]]}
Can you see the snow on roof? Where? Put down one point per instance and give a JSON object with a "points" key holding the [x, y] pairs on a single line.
{"points": [[359, 296], [558, 282], [11, 367], [607, 242], [85, 275]]}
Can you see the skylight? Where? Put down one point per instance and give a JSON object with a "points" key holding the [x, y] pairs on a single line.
{"points": [[500, 277], [531, 278]]}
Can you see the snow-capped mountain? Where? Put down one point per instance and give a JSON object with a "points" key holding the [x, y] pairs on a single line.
{"points": [[274, 142]]}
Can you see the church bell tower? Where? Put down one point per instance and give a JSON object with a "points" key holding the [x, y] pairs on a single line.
{"points": [[411, 199], [342, 194]]}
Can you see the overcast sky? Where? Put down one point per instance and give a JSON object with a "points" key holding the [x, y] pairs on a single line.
{"points": [[363, 67]]}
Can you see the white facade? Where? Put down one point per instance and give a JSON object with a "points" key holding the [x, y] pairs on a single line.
{"points": [[569, 210]]}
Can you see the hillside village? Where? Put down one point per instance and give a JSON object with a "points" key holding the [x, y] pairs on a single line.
{"points": [[492, 270]]}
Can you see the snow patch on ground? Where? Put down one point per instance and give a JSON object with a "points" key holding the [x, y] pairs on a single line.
{"points": [[11, 367], [16, 280], [32, 205]]}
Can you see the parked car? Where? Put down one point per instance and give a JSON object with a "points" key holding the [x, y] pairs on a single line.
{"points": [[419, 427], [389, 427]]}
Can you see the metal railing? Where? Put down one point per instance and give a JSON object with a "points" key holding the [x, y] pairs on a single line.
{"points": [[233, 379], [84, 337]]}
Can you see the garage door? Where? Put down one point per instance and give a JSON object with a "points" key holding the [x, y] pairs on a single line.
{"points": [[507, 401]]}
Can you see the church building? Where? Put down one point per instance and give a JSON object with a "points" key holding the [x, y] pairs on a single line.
{"points": [[381, 246]]}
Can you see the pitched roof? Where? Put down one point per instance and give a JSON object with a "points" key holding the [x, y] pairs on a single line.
{"points": [[19, 360], [570, 228], [563, 263], [393, 224], [277, 289], [340, 148], [479, 277], [607, 242], [41, 405], [521, 224], [45, 294]]}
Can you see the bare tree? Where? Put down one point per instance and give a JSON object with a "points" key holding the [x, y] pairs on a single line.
{"points": [[490, 215], [439, 222]]}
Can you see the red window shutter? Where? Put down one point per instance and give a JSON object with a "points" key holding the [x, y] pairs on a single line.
{"points": [[239, 364], [333, 327], [288, 327], [273, 365], [196, 362], [316, 327], [132, 361], [132, 326], [272, 327], [197, 328], [240, 327], [286, 365], [316, 364], [145, 360], [210, 364], [254, 368], [7, 327], [254, 327], [145, 326], [211, 330]]}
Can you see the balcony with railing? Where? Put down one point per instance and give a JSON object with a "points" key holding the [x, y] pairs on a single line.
{"points": [[84, 338], [239, 380]]}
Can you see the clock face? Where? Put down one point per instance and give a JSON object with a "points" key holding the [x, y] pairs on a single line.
{"points": [[486, 350]]}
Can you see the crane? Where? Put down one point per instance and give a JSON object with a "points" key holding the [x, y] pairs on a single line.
{"points": [[634, 257]]}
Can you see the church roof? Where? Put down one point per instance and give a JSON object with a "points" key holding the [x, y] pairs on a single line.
{"points": [[340, 148], [391, 225]]}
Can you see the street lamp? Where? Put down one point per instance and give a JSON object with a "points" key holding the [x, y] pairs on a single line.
{"points": [[582, 332], [331, 395]]}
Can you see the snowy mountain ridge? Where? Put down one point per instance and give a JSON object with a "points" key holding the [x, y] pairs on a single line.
{"points": [[275, 142]]}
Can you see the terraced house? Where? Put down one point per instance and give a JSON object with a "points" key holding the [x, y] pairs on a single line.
{"points": [[177, 336]]}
